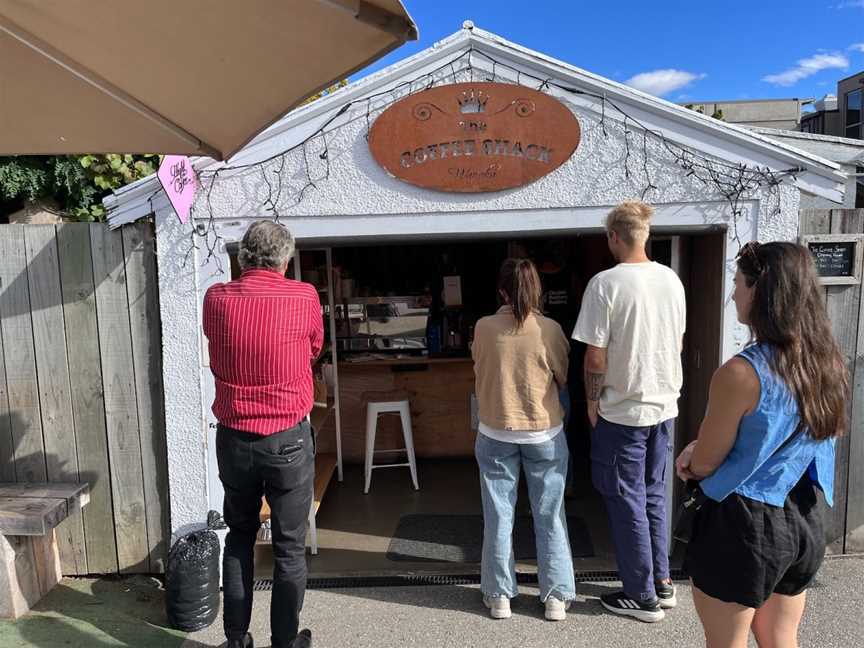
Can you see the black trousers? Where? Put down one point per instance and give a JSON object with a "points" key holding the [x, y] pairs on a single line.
{"points": [[280, 467]]}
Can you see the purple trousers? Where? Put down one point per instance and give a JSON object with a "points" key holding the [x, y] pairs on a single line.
{"points": [[628, 467]]}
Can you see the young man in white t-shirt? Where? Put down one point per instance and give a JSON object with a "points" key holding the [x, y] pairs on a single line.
{"points": [[632, 319]]}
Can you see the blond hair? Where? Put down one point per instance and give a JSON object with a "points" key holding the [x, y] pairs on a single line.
{"points": [[631, 221]]}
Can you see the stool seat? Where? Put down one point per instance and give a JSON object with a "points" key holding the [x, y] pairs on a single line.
{"points": [[391, 396], [378, 404]]}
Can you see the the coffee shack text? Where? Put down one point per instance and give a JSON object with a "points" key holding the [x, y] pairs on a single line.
{"points": [[471, 147]]}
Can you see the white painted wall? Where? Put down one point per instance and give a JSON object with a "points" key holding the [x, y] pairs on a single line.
{"points": [[181, 358], [360, 201]]}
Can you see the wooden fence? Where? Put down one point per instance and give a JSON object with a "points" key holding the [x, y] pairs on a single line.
{"points": [[81, 385], [846, 309]]}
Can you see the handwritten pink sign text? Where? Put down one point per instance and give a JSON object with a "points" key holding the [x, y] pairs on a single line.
{"points": [[179, 181]]}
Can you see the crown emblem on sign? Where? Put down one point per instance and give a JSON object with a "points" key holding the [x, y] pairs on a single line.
{"points": [[472, 101]]}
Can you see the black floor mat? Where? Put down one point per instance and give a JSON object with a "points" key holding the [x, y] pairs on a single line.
{"points": [[459, 538]]}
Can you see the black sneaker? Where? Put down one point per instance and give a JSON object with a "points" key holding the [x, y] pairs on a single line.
{"points": [[620, 603], [666, 595], [245, 642], [303, 640]]}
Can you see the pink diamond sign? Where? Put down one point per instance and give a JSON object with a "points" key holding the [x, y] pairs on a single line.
{"points": [[179, 181]]}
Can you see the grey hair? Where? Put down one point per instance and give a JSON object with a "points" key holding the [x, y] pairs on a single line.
{"points": [[265, 245]]}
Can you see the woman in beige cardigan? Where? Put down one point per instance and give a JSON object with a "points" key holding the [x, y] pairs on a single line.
{"points": [[520, 363]]}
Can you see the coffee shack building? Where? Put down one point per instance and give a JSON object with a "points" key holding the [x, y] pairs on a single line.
{"points": [[405, 191]]}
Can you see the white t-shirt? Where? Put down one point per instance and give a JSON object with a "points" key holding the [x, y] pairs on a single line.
{"points": [[637, 312], [527, 437]]}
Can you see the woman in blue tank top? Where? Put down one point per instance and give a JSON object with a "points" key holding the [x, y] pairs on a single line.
{"points": [[765, 455]]}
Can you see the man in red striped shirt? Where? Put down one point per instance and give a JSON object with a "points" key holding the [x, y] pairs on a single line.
{"points": [[264, 331]]}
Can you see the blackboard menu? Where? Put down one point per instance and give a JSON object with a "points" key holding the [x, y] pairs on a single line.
{"points": [[833, 258]]}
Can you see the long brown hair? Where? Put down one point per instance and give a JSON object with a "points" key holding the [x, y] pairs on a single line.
{"points": [[788, 313], [519, 282]]}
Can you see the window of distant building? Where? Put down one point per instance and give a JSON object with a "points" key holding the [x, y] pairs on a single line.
{"points": [[853, 114], [813, 124]]}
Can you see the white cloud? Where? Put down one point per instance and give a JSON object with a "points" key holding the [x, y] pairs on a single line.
{"points": [[661, 82], [808, 67], [858, 47]]}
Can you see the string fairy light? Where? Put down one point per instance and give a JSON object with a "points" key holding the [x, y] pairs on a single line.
{"points": [[733, 182]]}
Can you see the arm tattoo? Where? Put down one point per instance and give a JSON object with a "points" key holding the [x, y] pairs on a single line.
{"points": [[594, 385]]}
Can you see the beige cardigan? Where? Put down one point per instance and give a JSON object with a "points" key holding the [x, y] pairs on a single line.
{"points": [[518, 372]]}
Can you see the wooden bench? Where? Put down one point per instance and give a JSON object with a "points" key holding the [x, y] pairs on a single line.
{"points": [[29, 557]]}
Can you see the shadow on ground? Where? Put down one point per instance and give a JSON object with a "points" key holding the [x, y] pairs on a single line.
{"points": [[91, 613]]}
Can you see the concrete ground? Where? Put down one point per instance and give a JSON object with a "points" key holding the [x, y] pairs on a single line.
{"points": [[442, 616], [118, 612]]}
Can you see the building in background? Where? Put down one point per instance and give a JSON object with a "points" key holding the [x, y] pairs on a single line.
{"points": [[839, 115], [824, 119], [847, 152], [785, 114]]}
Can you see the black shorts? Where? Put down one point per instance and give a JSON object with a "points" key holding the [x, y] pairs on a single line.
{"points": [[743, 551]]}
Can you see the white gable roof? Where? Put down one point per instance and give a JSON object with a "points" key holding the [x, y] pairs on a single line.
{"points": [[725, 141]]}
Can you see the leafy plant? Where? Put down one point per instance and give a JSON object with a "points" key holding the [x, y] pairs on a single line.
{"points": [[76, 182], [79, 182], [327, 91]]}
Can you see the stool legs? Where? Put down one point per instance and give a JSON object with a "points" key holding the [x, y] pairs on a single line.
{"points": [[371, 425], [407, 433], [313, 529], [373, 411]]}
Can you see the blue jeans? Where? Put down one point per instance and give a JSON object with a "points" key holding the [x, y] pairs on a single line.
{"points": [[628, 467], [545, 466]]}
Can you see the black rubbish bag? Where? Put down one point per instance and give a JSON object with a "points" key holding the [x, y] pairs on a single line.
{"points": [[192, 578]]}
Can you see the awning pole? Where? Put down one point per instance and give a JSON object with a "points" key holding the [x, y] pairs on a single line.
{"points": [[375, 16]]}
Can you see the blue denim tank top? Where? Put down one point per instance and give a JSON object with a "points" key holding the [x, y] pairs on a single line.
{"points": [[757, 466]]}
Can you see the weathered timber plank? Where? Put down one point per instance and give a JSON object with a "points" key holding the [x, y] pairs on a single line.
{"points": [[121, 410], [142, 287], [854, 222], [29, 516], [7, 447], [19, 357], [844, 303], [88, 404], [52, 372]]}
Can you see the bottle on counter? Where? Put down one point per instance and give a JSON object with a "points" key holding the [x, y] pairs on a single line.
{"points": [[433, 327]]}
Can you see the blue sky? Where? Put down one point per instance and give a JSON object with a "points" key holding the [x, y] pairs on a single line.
{"points": [[682, 51]]}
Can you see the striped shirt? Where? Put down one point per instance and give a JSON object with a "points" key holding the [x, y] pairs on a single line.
{"points": [[264, 331]]}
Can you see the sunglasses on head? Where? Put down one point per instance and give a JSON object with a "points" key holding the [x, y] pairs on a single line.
{"points": [[750, 252]]}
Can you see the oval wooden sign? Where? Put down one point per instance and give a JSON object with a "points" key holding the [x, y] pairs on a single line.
{"points": [[473, 137]]}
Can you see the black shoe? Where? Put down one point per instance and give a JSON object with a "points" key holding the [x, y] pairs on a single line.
{"points": [[620, 603], [245, 642], [666, 595], [303, 640]]}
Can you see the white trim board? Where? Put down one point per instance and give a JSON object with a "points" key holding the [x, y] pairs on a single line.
{"points": [[360, 230]]}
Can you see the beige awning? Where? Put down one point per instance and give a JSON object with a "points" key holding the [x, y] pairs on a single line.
{"points": [[194, 77]]}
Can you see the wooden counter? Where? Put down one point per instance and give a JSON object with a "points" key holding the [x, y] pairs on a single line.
{"points": [[389, 362], [440, 409]]}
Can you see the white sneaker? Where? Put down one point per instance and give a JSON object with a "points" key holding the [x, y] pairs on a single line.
{"points": [[556, 609], [666, 594], [499, 606]]}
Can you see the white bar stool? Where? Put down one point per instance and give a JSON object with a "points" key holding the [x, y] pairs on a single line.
{"points": [[380, 404]]}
